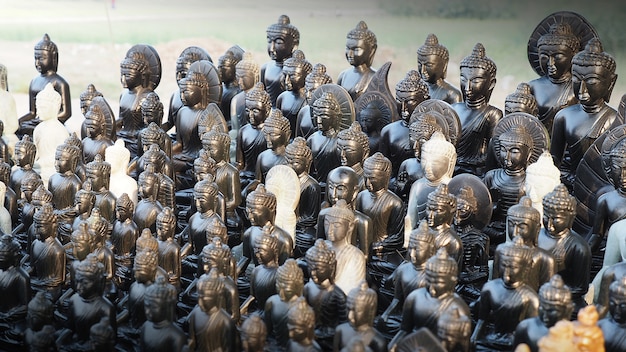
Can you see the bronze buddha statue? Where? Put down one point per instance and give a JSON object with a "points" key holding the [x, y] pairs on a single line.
{"points": [[432, 64], [282, 39], [290, 102], [277, 134], [305, 124], [361, 47]]}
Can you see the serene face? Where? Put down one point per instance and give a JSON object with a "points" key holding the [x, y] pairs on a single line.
{"points": [[298, 331], [513, 155], [257, 214], [475, 83], [310, 86], [463, 211], [287, 289], [86, 286], [204, 201], [618, 173], [324, 118], [517, 226], [336, 228], [368, 118], [43, 61], [556, 222], [438, 214], [156, 309], [190, 94], [358, 315], [214, 148], [63, 162], [82, 203], [406, 102], [263, 254], [591, 83], [419, 254], [439, 283], [43, 229], [299, 164], [226, 69], [294, 78], [143, 275], [130, 78], [431, 67], [320, 272], [339, 187], [256, 112], [376, 179], [617, 308], [358, 52], [550, 313], [20, 156], [279, 46], [274, 137], [512, 270], [97, 179], [146, 188], [555, 60], [435, 167], [94, 125], [350, 152], [245, 79], [165, 230]]}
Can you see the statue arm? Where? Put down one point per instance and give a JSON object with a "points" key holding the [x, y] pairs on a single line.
{"points": [[365, 234], [598, 231], [31, 114], [234, 191], [66, 103], [557, 148], [171, 115], [395, 228], [239, 160]]}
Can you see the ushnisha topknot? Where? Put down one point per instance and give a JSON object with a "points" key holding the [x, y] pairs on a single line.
{"points": [[298, 59], [266, 240], [41, 195], [90, 266], [45, 214], [289, 272], [442, 263], [321, 253], [517, 134], [262, 197], [216, 134], [146, 242], [162, 291], [516, 249], [413, 82], [355, 133], [210, 284], [278, 121], [560, 199], [479, 59], [424, 126], [89, 93], [166, 216], [318, 73], [560, 34], [523, 95], [283, 25], [124, 202], [439, 146], [301, 313], [327, 102], [247, 63], [9, 245], [422, 235], [46, 44], [594, 55], [217, 228], [378, 162], [206, 186], [441, 196], [216, 251], [299, 149], [258, 93], [341, 211], [254, 326], [362, 296], [147, 259], [555, 291], [431, 46], [524, 209], [360, 31]]}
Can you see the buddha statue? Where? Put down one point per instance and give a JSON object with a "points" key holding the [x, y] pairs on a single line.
{"points": [[576, 127], [554, 89], [46, 62], [572, 256], [263, 276], [84, 202], [555, 304], [226, 66], [299, 157], [47, 254], [14, 285], [290, 102], [152, 112], [588, 335], [159, 333], [438, 158], [102, 230], [24, 157], [440, 211], [247, 72], [92, 95], [80, 166], [522, 100], [432, 64], [49, 133], [217, 254], [305, 124], [118, 156], [123, 237], [362, 304], [102, 336], [425, 306], [326, 298], [541, 178], [507, 300], [205, 196], [523, 221], [8, 113], [253, 334], [64, 183], [301, 324], [96, 140], [361, 47], [145, 271], [40, 327], [250, 138], [210, 327], [99, 174], [290, 285], [10, 197], [478, 118], [323, 143], [454, 330], [148, 207], [169, 249], [283, 39], [613, 326], [353, 148], [277, 134]]}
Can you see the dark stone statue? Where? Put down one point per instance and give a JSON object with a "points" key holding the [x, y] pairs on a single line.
{"points": [[99, 174], [289, 284], [305, 124], [123, 237], [40, 331], [290, 102], [15, 288], [323, 143], [253, 334], [247, 72], [24, 156], [353, 148], [263, 276], [250, 138], [440, 210], [169, 249], [613, 326], [277, 134], [96, 140], [282, 39], [522, 100], [432, 64], [47, 254], [158, 333], [301, 324], [454, 330], [361, 47], [226, 65]]}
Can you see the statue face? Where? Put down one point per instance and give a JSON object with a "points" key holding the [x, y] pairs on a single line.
{"points": [[63, 162], [6, 260], [156, 309], [555, 60], [512, 270], [84, 105], [86, 286], [82, 204], [555, 222], [618, 173], [431, 67], [406, 102], [298, 331], [97, 179], [294, 78], [368, 119], [21, 156], [518, 226], [513, 106], [513, 155], [44, 61], [339, 187], [376, 179], [165, 230], [144, 275], [94, 125], [204, 201], [476, 83], [263, 254], [81, 249], [274, 137], [146, 188], [350, 152], [440, 283], [325, 119], [279, 46], [359, 315], [226, 69], [256, 112], [336, 228], [287, 290], [320, 272], [43, 229], [298, 164], [550, 313], [358, 52], [310, 87], [419, 254], [617, 307], [438, 214], [123, 213], [463, 211], [245, 79], [258, 214], [190, 94], [130, 78], [214, 148], [435, 167], [591, 83]]}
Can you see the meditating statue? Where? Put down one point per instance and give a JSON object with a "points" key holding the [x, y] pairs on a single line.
{"points": [[555, 303], [145, 272], [46, 62], [572, 256], [118, 156], [289, 284], [523, 221], [327, 299], [576, 127], [250, 138], [362, 304], [440, 210], [49, 133], [253, 334], [432, 64], [210, 327], [8, 113], [361, 47], [247, 73], [454, 330], [505, 302], [91, 96], [277, 135], [263, 276], [290, 102], [305, 124], [96, 140], [613, 326], [226, 66], [478, 118], [40, 323], [438, 158], [24, 157], [301, 325], [80, 166], [84, 201], [99, 174], [541, 178], [148, 207], [522, 100], [47, 254], [99, 247], [159, 333], [323, 143], [123, 237], [65, 183], [14, 285], [141, 73], [353, 148], [152, 114], [394, 138], [283, 39], [217, 254], [169, 249]]}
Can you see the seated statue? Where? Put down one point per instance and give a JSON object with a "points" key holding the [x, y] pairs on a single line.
{"points": [[99, 174], [159, 333], [613, 326], [301, 324], [8, 113], [576, 127], [394, 138], [92, 96], [47, 254], [40, 323], [353, 148], [253, 334], [305, 124], [14, 286], [289, 284], [123, 237], [522, 100], [96, 140], [372, 121], [454, 330], [505, 302], [440, 211], [64, 184], [80, 167], [145, 271], [432, 64], [84, 202], [263, 276], [169, 249], [361, 47], [555, 303], [323, 143], [99, 247], [478, 118], [217, 254], [118, 156], [46, 62], [290, 102], [148, 207], [247, 73], [226, 65], [152, 114], [5, 150], [25, 151], [277, 136], [283, 39]]}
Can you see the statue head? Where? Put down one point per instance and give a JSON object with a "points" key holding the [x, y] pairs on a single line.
{"points": [[146, 242], [440, 207], [277, 130], [30, 183], [454, 330], [247, 72], [9, 251], [48, 103], [85, 198], [301, 322], [372, 117], [204, 165], [617, 166], [438, 159], [422, 129], [95, 121], [515, 258], [145, 266], [152, 109], [326, 111], [258, 104], [617, 300], [361, 45], [282, 39], [87, 96], [41, 196], [102, 336], [218, 229], [523, 220], [89, 277], [25, 150], [226, 64], [295, 70], [217, 144], [316, 78], [5, 172], [555, 301], [410, 92], [40, 311], [593, 74], [522, 100], [514, 148], [160, 300], [253, 334], [148, 183], [194, 90], [478, 77], [46, 55], [66, 158], [342, 183], [45, 222], [441, 273], [151, 135], [556, 48], [339, 223], [166, 224], [362, 303], [101, 227], [265, 247], [432, 60], [99, 173], [353, 145], [261, 206], [377, 171], [205, 194], [216, 254], [421, 244], [559, 211], [289, 280], [73, 139], [299, 155], [466, 206], [187, 57], [322, 262], [541, 178], [210, 291], [82, 239], [135, 70]]}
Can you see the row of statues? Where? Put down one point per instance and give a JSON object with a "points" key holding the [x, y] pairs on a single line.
{"points": [[272, 208]]}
